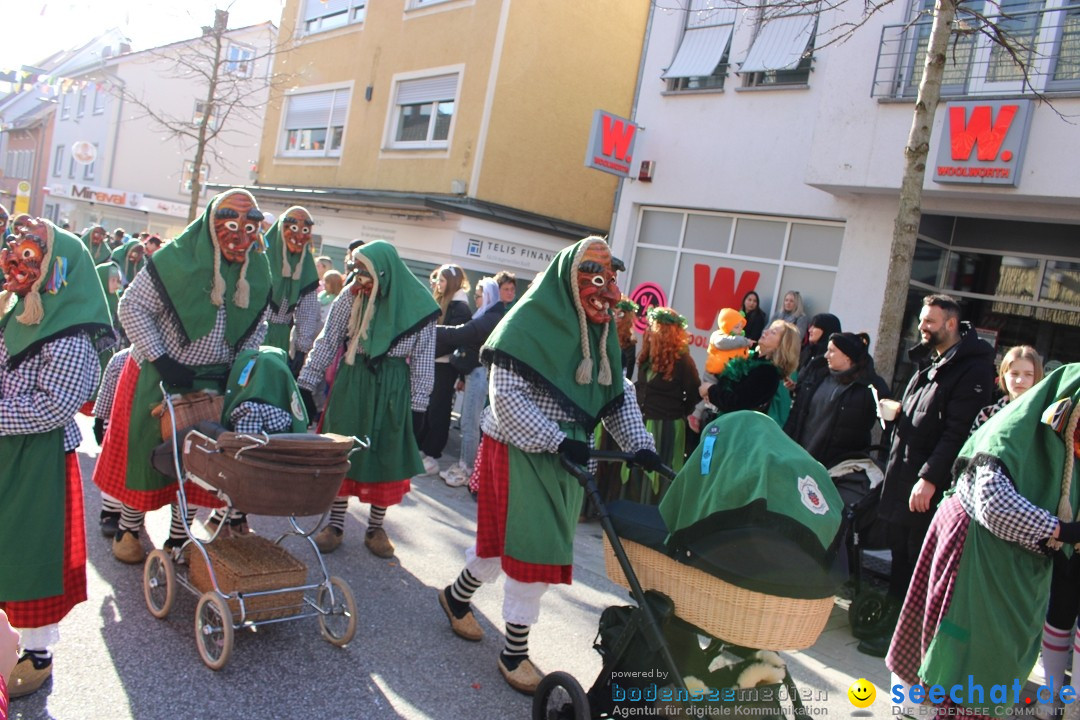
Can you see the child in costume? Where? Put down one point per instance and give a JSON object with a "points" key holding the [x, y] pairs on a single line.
{"points": [[53, 309], [295, 320], [383, 323], [728, 341], [555, 373]]}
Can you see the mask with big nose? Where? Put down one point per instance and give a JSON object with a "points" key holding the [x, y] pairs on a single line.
{"points": [[296, 229], [23, 257], [596, 283], [236, 225]]}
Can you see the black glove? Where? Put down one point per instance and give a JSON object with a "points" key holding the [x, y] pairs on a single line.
{"points": [[173, 373], [1069, 533], [309, 404], [296, 363], [419, 418], [576, 450], [99, 429], [648, 460]]}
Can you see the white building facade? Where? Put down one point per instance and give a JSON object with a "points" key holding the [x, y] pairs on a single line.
{"points": [[776, 166]]}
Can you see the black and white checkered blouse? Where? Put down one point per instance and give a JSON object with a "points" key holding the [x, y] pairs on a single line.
{"points": [[305, 319], [110, 378], [418, 347], [46, 390], [258, 417], [525, 415], [989, 496]]}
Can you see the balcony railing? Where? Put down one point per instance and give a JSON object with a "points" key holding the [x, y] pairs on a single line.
{"points": [[1043, 56]]}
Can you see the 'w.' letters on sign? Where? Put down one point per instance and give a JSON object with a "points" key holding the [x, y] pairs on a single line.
{"points": [[711, 295], [980, 130]]}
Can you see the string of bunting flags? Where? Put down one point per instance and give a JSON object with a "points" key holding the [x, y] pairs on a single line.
{"points": [[49, 85]]}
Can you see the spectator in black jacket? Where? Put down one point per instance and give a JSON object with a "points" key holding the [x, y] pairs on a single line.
{"points": [[954, 381], [755, 316], [833, 417], [468, 338]]}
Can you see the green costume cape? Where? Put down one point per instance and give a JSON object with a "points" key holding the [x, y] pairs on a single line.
{"points": [[263, 375], [998, 583], [286, 291], [119, 256], [183, 272], [105, 271], [101, 253], [539, 339], [32, 472]]}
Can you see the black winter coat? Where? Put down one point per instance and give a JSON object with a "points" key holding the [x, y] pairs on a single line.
{"points": [[847, 421], [469, 337], [937, 409], [457, 313], [672, 399]]}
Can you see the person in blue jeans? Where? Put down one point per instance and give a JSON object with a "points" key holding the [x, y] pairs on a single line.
{"points": [[468, 338]]}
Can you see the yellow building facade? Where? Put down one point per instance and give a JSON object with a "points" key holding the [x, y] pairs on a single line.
{"points": [[457, 129]]}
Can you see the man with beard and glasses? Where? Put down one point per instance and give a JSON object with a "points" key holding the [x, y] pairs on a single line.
{"points": [[954, 380]]}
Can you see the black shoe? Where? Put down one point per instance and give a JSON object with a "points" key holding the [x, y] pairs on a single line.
{"points": [[876, 646], [109, 523]]}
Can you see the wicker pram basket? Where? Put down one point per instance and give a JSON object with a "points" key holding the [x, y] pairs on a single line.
{"points": [[282, 475], [742, 617], [247, 564]]}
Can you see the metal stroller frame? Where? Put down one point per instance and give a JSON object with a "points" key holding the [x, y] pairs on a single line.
{"points": [[333, 602]]}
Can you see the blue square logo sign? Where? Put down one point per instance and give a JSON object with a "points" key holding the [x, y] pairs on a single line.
{"points": [[473, 250]]}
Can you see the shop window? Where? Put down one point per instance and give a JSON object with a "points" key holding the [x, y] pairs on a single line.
{"points": [[423, 111], [782, 52], [999, 275], [660, 228], [815, 244], [759, 238], [708, 232], [928, 263], [315, 123], [323, 15], [701, 62]]}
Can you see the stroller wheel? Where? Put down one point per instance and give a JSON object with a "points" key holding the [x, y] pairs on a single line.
{"points": [[870, 614], [560, 697], [213, 630], [337, 621], [159, 583]]}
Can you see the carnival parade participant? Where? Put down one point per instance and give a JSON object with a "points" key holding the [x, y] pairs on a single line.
{"points": [[187, 339], [130, 259], [294, 298], [4, 216], [94, 240], [384, 320], [986, 560], [555, 373], [53, 311]]}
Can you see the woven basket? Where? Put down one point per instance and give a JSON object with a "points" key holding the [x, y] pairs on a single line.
{"points": [[190, 409], [743, 617], [264, 487], [248, 563]]}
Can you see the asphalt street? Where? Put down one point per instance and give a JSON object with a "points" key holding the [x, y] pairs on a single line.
{"points": [[116, 661]]}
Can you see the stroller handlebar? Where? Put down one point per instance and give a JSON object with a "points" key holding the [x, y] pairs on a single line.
{"points": [[582, 474]]}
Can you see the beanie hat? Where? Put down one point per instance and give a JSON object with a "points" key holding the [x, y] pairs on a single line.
{"points": [[728, 319], [851, 344], [827, 323]]}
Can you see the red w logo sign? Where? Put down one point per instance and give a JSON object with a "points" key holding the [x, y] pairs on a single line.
{"points": [[980, 130]]}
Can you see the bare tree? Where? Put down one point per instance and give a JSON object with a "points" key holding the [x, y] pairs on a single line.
{"points": [[232, 96]]}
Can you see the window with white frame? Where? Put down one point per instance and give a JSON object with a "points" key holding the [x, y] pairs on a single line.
{"points": [[423, 111], [65, 106], [782, 51], [71, 168], [88, 169], [204, 112], [99, 100], [315, 123], [238, 60], [1066, 54], [702, 59], [322, 15], [81, 108], [187, 173], [9, 163], [58, 161], [414, 4]]}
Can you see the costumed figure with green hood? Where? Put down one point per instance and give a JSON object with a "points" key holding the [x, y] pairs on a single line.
{"points": [[130, 258], [95, 242], [555, 373], [974, 611], [384, 322], [53, 311], [200, 301], [294, 300]]}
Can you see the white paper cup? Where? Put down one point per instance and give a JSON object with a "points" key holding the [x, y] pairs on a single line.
{"points": [[888, 410]]}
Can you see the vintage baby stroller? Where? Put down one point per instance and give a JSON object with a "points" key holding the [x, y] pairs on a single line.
{"points": [[714, 601], [248, 581]]}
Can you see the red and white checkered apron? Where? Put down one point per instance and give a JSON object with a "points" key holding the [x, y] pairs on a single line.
{"points": [[50, 610]]}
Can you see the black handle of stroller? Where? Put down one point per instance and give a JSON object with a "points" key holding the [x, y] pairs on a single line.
{"points": [[581, 472]]}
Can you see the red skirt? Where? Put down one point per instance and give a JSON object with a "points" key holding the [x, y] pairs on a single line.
{"points": [[382, 494], [492, 473], [50, 610], [110, 472]]}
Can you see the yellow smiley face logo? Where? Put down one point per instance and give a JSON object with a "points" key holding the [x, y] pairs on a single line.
{"points": [[862, 693]]}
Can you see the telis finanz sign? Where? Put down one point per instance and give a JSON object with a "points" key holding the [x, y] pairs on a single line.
{"points": [[982, 142]]}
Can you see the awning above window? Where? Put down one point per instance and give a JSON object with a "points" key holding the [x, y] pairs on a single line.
{"points": [[780, 44], [700, 52]]}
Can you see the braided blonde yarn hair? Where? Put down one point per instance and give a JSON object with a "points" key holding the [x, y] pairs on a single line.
{"points": [[242, 295], [287, 271], [583, 376], [360, 316]]}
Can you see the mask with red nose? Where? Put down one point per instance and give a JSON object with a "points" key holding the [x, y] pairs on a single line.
{"points": [[236, 225], [296, 229], [22, 259], [596, 284]]}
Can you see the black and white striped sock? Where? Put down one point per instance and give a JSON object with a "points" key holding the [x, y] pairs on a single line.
{"points": [[463, 588], [109, 504], [176, 525], [517, 642], [337, 513], [375, 519], [130, 519]]}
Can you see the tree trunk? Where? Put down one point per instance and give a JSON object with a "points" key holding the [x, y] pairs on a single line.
{"points": [[210, 112], [909, 213]]}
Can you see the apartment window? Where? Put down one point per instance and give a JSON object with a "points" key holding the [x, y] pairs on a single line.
{"points": [[702, 59], [65, 106], [81, 109], [99, 100], [315, 123], [239, 60], [323, 15], [187, 173], [414, 4], [9, 163], [204, 112], [1066, 63], [58, 161], [782, 52], [88, 169], [71, 168], [423, 110]]}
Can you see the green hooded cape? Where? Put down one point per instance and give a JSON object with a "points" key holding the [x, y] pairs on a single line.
{"points": [[263, 375], [106, 270], [998, 583], [286, 291], [539, 339], [183, 271], [101, 253], [119, 256]]}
